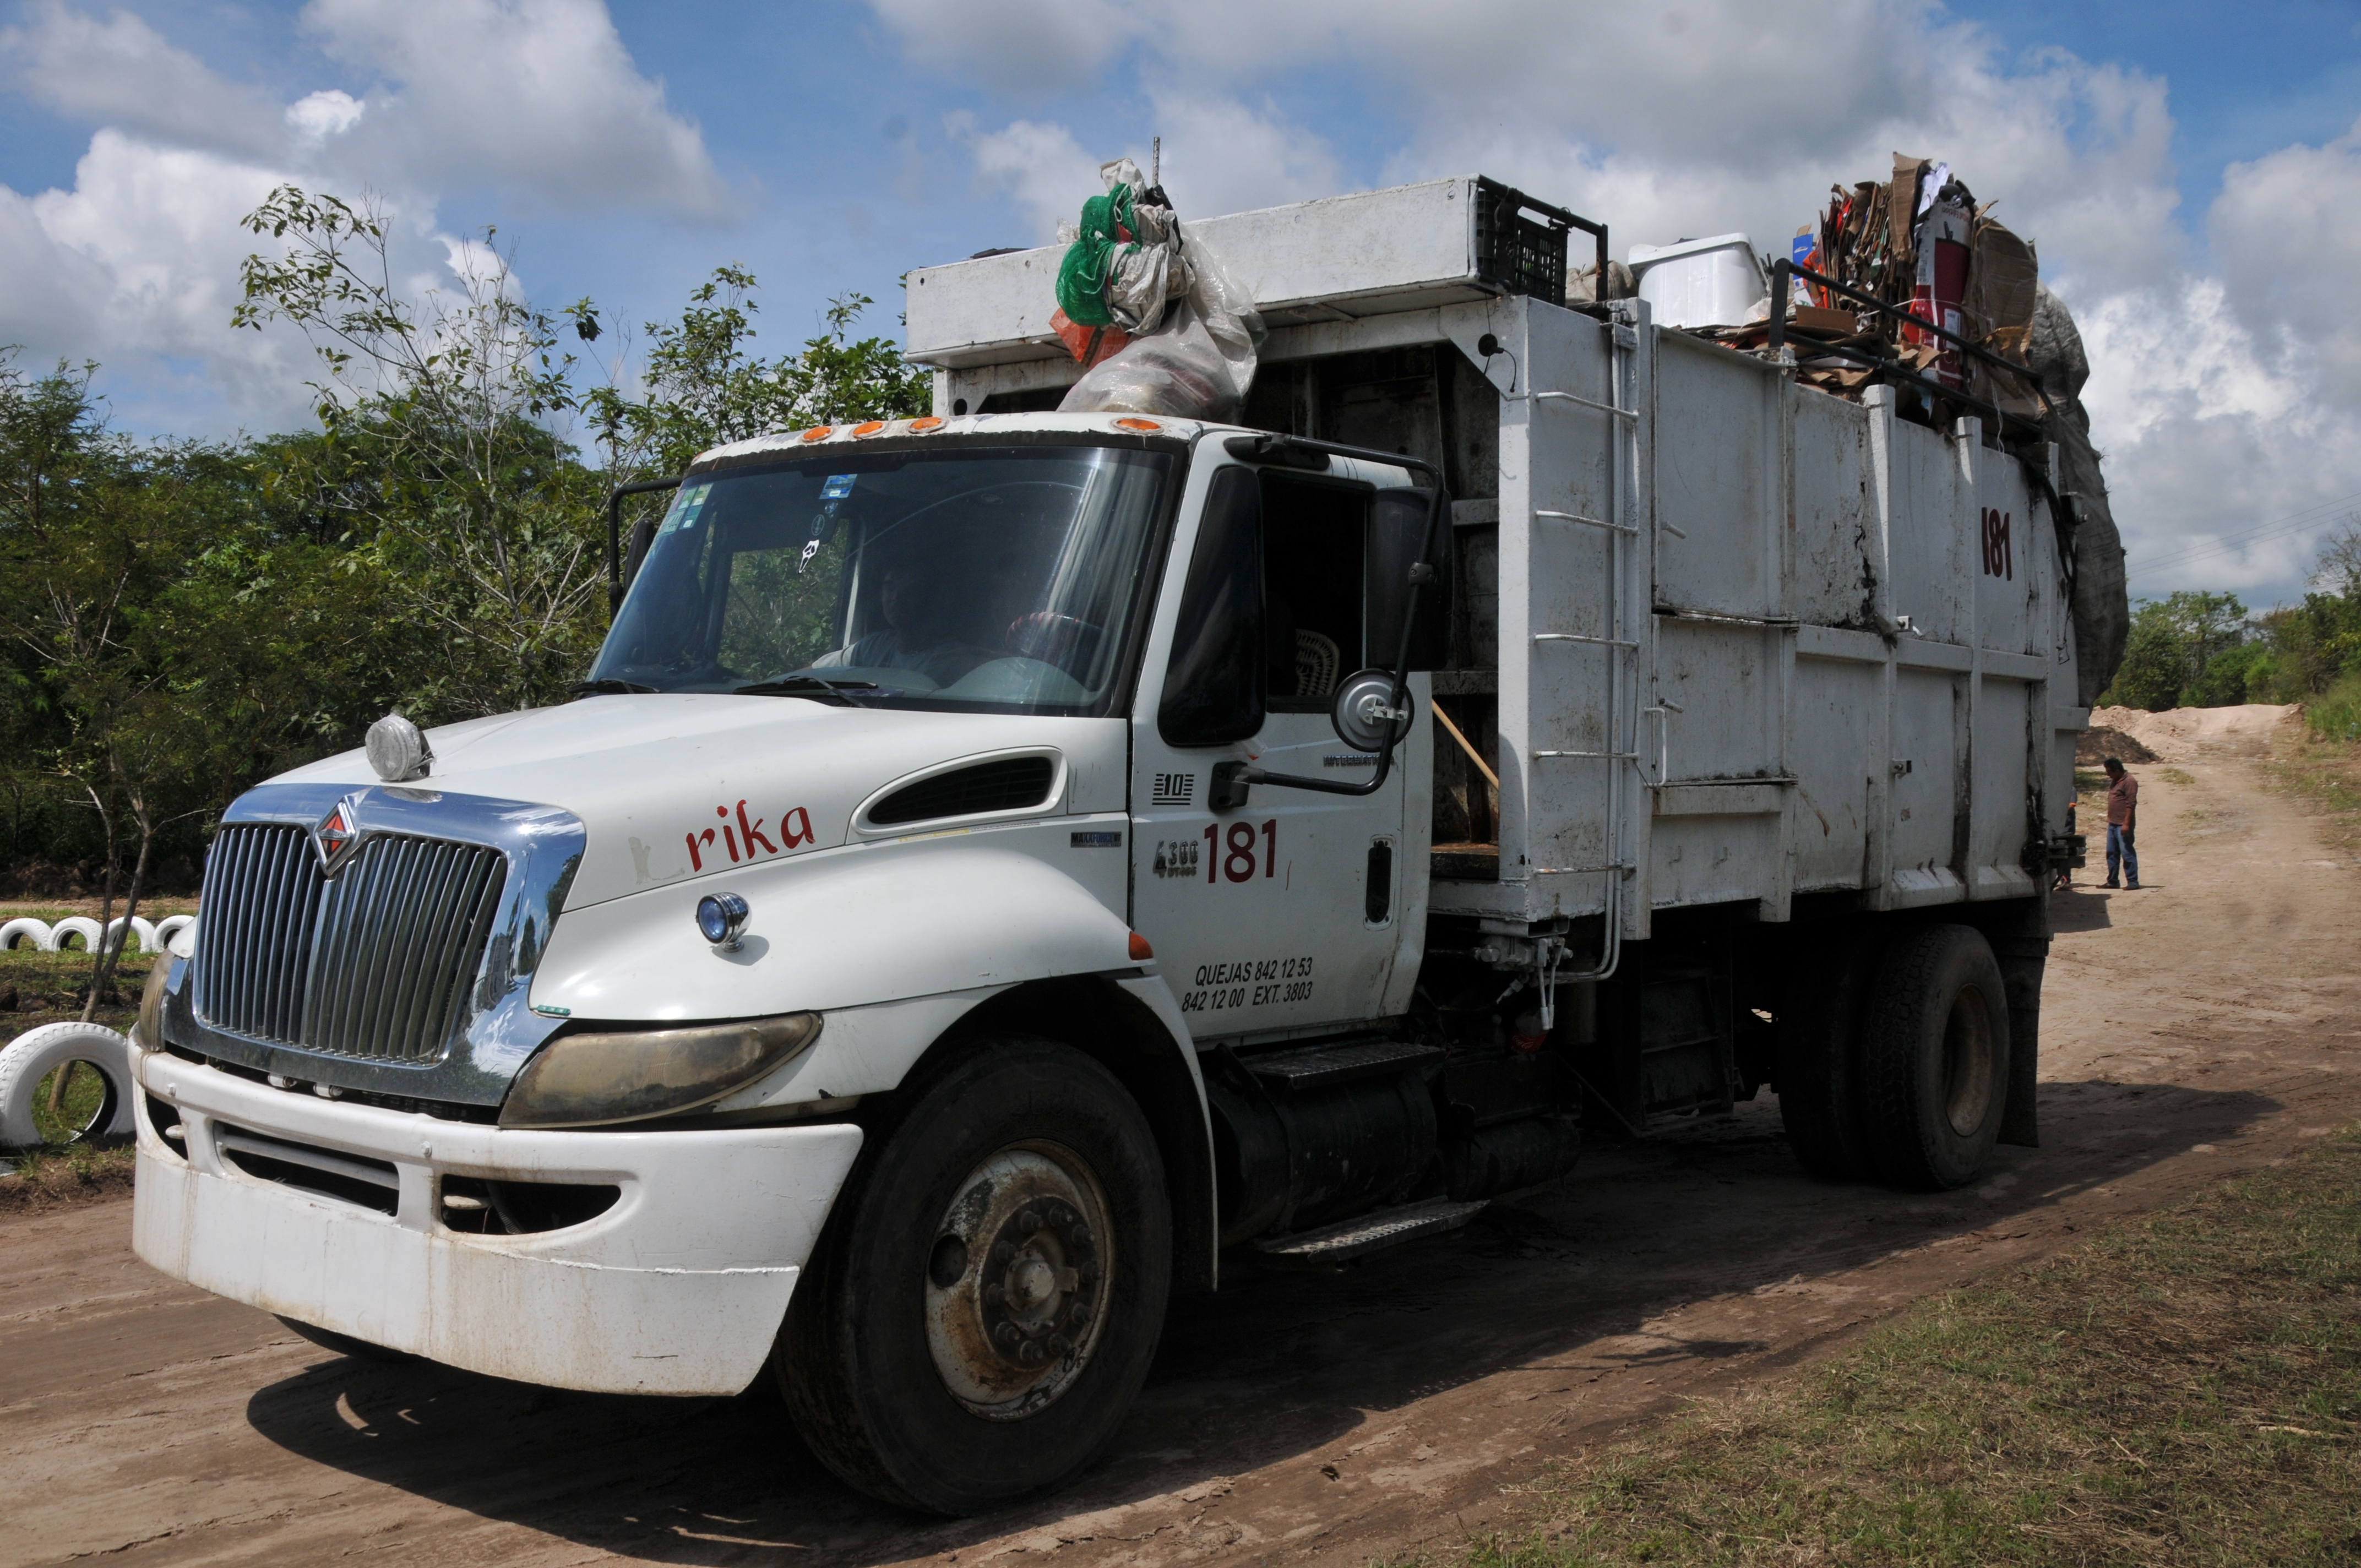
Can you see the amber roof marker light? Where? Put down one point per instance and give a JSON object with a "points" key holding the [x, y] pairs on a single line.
{"points": [[1140, 950]]}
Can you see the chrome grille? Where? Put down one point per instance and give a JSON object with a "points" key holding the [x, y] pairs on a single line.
{"points": [[377, 963], [261, 900]]}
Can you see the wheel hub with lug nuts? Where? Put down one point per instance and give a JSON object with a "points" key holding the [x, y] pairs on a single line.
{"points": [[1017, 1280]]}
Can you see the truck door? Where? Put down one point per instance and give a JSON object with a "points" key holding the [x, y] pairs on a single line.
{"points": [[1279, 913]]}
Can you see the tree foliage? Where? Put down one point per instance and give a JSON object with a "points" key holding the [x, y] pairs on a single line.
{"points": [[2203, 650], [179, 619]]}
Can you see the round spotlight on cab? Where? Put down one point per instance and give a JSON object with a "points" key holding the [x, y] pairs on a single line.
{"points": [[722, 919], [398, 750]]}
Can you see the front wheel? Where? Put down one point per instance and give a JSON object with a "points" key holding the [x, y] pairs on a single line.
{"points": [[982, 1308], [1934, 1058]]}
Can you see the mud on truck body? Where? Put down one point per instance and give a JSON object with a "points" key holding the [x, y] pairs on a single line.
{"points": [[977, 895]]}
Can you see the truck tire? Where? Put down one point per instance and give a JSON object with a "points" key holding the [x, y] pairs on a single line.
{"points": [[29, 1058], [1820, 1067], [81, 926], [28, 933], [1934, 1058], [983, 1306]]}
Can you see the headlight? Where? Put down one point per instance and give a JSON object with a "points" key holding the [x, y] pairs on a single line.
{"points": [[584, 1081], [148, 1033]]}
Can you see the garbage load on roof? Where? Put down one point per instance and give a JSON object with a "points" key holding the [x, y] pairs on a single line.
{"points": [[1919, 244], [1157, 321]]}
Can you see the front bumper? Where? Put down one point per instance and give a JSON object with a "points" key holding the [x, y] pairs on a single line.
{"points": [[679, 1288]]}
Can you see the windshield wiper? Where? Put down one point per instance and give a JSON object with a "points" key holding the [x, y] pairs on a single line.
{"points": [[811, 687], [607, 685]]}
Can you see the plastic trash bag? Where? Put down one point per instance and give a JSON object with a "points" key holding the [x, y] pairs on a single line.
{"points": [[1197, 364]]}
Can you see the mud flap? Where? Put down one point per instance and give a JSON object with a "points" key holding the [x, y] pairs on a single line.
{"points": [[2020, 970]]}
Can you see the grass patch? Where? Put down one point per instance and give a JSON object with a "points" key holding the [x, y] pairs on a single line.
{"points": [[2089, 781], [2335, 714], [2327, 774], [2176, 775], [2184, 1389], [48, 988]]}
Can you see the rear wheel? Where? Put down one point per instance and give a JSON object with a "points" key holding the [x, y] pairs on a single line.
{"points": [[1934, 1058], [981, 1311]]}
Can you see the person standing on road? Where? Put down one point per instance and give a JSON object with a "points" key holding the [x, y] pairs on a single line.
{"points": [[2122, 819]]}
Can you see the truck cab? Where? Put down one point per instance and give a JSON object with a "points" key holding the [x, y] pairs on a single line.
{"points": [[1004, 864]]}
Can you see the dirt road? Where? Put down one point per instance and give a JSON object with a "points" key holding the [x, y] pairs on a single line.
{"points": [[2195, 1029]]}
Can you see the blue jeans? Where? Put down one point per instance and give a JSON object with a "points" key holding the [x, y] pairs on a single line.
{"points": [[2121, 853]]}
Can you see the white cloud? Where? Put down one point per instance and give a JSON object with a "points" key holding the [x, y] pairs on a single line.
{"points": [[138, 266], [323, 115], [121, 72], [1042, 167], [538, 96], [2226, 391], [1219, 156], [138, 263], [1222, 156], [1028, 46]]}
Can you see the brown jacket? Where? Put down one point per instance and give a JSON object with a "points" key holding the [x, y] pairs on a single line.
{"points": [[2123, 802]]}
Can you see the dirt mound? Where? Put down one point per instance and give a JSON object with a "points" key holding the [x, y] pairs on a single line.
{"points": [[2100, 742], [2183, 734]]}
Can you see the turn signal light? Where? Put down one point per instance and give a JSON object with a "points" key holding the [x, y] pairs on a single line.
{"points": [[1139, 948]]}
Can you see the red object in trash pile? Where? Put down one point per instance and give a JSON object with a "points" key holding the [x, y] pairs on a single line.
{"points": [[1942, 284], [1088, 344]]}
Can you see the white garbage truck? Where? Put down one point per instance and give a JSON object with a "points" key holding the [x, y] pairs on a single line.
{"points": [[1008, 869]]}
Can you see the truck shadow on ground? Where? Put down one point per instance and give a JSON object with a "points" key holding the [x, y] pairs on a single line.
{"points": [[2081, 908], [1569, 1278]]}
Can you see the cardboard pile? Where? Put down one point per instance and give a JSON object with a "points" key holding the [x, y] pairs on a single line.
{"points": [[1871, 238]]}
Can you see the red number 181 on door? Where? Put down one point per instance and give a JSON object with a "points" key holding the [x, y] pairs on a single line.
{"points": [[1238, 863]]}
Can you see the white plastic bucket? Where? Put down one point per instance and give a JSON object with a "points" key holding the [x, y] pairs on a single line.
{"points": [[1701, 283]]}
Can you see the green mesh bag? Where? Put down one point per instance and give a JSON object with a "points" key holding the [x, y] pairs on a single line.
{"points": [[1082, 276]]}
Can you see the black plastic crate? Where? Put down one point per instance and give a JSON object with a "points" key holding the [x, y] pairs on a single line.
{"points": [[1525, 254]]}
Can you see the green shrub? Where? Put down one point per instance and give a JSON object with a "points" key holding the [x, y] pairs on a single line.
{"points": [[2335, 714]]}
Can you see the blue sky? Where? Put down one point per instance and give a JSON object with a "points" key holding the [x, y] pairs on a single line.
{"points": [[2191, 173]]}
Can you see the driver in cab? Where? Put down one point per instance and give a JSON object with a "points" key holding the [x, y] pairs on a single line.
{"points": [[921, 634]]}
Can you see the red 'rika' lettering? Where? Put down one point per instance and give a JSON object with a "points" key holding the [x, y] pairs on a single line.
{"points": [[696, 861], [753, 832], [795, 827]]}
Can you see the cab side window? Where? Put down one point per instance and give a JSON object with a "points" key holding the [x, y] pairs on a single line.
{"points": [[1213, 687], [1314, 549]]}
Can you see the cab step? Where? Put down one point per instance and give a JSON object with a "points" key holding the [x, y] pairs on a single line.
{"points": [[1366, 1234], [1339, 1062]]}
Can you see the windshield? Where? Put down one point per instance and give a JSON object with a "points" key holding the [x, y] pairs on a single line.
{"points": [[962, 579]]}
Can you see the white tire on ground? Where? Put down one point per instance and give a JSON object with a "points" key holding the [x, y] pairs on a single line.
{"points": [[171, 926], [32, 1056], [28, 932], [81, 926], [142, 932]]}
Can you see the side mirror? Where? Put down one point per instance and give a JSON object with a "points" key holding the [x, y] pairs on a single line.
{"points": [[1363, 712]]}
